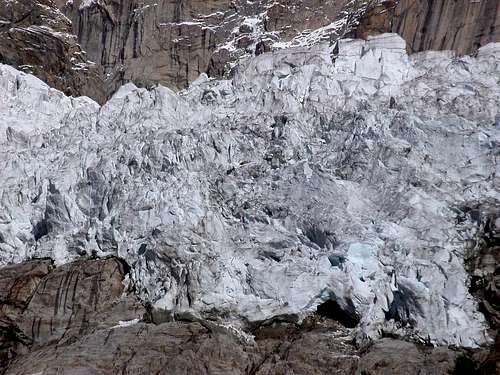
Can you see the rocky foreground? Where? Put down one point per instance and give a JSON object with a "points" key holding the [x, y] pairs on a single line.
{"points": [[323, 210]]}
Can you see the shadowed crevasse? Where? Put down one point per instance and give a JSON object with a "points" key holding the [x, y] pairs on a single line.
{"points": [[331, 309]]}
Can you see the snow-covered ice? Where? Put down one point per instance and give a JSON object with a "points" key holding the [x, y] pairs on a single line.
{"points": [[298, 181]]}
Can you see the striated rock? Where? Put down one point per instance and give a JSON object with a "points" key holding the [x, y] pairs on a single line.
{"points": [[41, 305], [37, 38], [91, 47], [76, 299], [148, 42], [18, 283], [462, 26], [172, 42]]}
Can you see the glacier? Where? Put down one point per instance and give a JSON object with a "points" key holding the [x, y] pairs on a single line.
{"points": [[310, 176]]}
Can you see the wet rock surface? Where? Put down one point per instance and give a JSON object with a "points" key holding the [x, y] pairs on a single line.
{"points": [[462, 26], [18, 283]]}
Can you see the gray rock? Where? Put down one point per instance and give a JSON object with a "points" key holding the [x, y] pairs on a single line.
{"points": [[389, 356]]}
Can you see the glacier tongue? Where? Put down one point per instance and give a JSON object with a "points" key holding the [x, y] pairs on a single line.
{"points": [[300, 181]]}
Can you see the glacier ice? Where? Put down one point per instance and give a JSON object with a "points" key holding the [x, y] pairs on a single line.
{"points": [[307, 177]]}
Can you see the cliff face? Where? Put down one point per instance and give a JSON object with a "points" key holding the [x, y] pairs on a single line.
{"points": [[36, 37], [462, 25], [148, 41], [459, 25], [172, 42], [92, 47]]}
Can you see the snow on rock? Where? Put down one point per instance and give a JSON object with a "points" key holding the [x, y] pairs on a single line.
{"points": [[299, 181], [126, 323], [87, 4]]}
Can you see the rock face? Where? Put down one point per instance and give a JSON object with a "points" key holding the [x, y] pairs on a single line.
{"points": [[42, 305], [462, 26], [172, 42], [37, 38], [483, 263], [92, 47], [298, 183], [17, 285], [148, 42]]}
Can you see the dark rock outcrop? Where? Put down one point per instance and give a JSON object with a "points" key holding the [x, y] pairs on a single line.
{"points": [[41, 305], [389, 356], [484, 267], [459, 25], [18, 284], [37, 38]]}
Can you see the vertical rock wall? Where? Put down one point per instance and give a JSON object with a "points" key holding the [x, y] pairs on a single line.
{"points": [[92, 47], [460, 25]]}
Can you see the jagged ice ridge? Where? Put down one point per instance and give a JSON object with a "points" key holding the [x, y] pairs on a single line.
{"points": [[306, 178]]}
